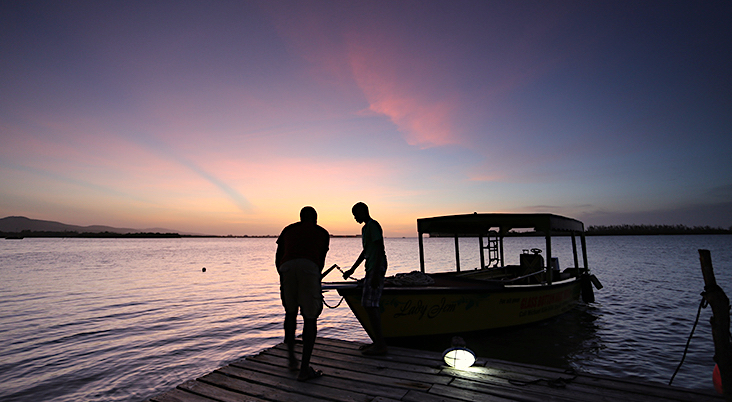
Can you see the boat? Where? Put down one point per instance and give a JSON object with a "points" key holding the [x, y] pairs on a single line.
{"points": [[494, 295]]}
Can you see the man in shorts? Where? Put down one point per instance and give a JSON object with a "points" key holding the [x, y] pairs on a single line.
{"points": [[301, 250], [372, 238]]}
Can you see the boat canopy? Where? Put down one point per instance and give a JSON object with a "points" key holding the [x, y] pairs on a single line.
{"points": [[480, 225], [476, 224]]}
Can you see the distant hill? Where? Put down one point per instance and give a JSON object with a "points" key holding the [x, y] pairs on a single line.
{"points": [[17, 224]]}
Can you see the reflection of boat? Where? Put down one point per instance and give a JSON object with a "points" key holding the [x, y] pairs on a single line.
{"points": [[490, 297]]}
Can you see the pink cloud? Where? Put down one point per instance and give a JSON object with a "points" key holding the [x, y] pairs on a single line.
{"points": [[406, 92], [398, 77]]}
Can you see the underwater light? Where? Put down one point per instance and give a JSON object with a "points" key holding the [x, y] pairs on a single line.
{"points": [[459, 357]]}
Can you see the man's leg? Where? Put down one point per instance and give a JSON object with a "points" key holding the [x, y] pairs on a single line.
{"points": [[290, 327], [379, 347], [309, 332]]}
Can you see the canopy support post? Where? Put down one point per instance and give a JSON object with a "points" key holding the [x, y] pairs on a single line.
{"points": [[574, 249], [457, 254], [421, 253], [584, 252], [549, 259], [482, 254]]}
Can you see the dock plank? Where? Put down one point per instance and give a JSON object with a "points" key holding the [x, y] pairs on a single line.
{"points": [[178, 395], [397, 372], [219, 393], [411, 376], [221, 380]]}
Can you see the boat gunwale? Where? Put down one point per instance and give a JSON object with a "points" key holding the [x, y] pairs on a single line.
{"points": [[348, 289]]}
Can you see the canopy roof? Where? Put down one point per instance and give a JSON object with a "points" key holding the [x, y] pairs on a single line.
{"points": [[476, 224]]}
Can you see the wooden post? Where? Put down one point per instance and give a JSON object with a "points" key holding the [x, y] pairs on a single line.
{"points": [[457, 253], [714, 295]]}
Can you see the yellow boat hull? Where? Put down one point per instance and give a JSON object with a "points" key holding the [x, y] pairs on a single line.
{"points": [[421, 311]]}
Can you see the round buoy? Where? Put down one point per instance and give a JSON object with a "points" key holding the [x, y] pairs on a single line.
{"points": [[717, 379], [203, 269]]}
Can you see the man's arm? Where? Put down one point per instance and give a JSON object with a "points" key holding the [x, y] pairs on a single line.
{"points": [[355, 265]]}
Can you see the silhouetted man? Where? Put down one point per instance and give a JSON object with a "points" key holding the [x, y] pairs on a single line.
{"points": [[372, 238], [301, 250]]}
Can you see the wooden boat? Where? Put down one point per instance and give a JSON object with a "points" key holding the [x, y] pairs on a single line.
{"points": [[492, 296]]}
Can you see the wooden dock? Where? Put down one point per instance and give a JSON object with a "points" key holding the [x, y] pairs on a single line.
{"points": [[410, 375]]}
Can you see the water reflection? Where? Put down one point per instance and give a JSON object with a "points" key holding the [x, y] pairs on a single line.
{"points": [[566, 341], [126, 319]]}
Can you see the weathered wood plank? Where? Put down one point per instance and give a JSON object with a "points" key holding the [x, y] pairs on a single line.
{"points": [[217, 393], [221, 380], [348, 372], [343, 381], [178, 395], [624, 386], [416, 396], [382, 399], [468, 395], [531, 392], [326, 360], [575, 387], [325, 387], [396, 354], [395, 361], [479, 377]]}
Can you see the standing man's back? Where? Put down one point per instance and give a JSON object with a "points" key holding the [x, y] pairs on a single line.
{"points": [[301, 250]]}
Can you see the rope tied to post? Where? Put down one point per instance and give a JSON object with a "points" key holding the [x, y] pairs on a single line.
{"points": [[702, 304]]}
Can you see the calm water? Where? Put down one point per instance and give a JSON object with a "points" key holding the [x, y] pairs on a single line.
{"points": [[124, 320]]}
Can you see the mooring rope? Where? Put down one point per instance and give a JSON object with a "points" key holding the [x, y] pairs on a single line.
{"points": [[702, 304], [341, 301], [336, 306]]}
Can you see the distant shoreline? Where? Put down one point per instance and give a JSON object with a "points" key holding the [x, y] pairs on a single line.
{"points": [[141, 235], [18, 227], [619, 230]]}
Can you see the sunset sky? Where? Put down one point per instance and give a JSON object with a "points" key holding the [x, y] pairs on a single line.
{"points": [[227, 117]]}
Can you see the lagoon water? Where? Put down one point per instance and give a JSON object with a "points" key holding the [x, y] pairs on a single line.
{"points": [[127, 319]]}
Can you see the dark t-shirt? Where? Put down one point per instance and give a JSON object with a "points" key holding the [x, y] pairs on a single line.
{"points": [[303, 240], [372, 239]]}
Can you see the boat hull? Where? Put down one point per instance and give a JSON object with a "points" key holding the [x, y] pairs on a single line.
{"points": [[425, 311]]}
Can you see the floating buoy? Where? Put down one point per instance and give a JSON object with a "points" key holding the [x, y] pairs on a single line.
{"points": [[203, 269], [717, 379]]}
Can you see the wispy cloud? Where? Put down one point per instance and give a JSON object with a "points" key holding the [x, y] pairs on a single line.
{"points": [[235, 196]]}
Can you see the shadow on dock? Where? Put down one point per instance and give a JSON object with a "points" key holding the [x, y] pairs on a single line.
{"points": [[410, 375]]}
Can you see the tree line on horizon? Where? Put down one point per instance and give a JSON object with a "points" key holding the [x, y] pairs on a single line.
{"points": [[616, 230]]}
